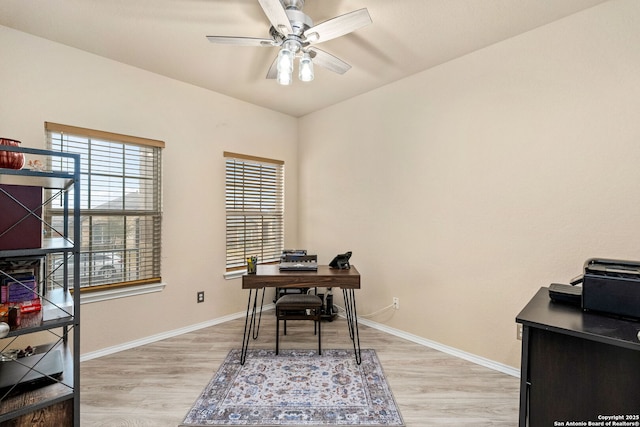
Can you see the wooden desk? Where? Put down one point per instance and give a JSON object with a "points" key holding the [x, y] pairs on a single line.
{"points": [[577, 366], [270, 276]]}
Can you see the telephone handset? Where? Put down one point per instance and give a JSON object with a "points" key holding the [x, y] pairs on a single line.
{"points": [[341, 261]]}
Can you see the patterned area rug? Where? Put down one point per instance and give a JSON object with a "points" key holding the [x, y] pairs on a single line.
{"points": [[297, 388]]}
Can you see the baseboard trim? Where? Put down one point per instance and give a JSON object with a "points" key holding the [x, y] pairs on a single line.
{"points": [[509, 370], [478, 360], [169, 334]]}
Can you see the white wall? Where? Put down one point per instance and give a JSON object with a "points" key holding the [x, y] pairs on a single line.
{"points": [[44, 81], [461, 190], [464, 189]]}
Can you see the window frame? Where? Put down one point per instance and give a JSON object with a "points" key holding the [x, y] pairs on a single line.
{"points": [[152, 282], [261, 186]]}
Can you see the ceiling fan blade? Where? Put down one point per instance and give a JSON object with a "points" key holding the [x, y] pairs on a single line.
{"points": [[277, 15], [328, 61], [241, 41], [273, 70], [338, 26]]}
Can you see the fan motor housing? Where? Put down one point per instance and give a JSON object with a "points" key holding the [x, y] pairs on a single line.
{"points": [[299, 21], [293, 4]]}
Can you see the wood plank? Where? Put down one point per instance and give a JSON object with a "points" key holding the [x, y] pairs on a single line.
{"points": [[156, 384], [59, 415], [269, 275]]}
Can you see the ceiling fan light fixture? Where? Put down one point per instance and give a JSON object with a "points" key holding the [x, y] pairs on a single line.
{"points": [[285, 60], [294, 32], [285, 66], [305, 72], [285, 77]]}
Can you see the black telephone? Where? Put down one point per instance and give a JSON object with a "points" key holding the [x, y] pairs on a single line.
{"points": [[341, 261]]}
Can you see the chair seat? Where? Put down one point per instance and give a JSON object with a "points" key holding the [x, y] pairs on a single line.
{"points": [[299, 307], [298, 301]]}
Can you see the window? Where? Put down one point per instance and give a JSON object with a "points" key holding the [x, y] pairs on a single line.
{"points": [[120, 204], [254, 201]]}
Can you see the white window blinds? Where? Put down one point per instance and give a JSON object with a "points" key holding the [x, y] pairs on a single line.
{"points": [[121, 209], [254, 201]]}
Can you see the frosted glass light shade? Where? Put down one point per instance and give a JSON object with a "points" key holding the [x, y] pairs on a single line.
{"points": [[305, 72], [285, 66]]}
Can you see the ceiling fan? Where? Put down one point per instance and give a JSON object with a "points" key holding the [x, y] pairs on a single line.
{"points": [[296, 35]]}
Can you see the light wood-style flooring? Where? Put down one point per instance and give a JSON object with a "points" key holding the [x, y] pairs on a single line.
{"points": [[156, 384]]}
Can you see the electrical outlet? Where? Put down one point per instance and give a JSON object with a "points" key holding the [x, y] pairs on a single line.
{"points": [[396, 303], [519, 331], [201, 296]]}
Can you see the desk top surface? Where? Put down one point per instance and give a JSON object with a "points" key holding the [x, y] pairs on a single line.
{"points": [[269, 275], [563, 318]]}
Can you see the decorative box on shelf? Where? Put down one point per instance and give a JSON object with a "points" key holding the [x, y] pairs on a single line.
{"points": [[20, 224]]}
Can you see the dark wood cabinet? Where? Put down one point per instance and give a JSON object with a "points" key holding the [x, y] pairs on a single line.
{"points": [[578, 368]]}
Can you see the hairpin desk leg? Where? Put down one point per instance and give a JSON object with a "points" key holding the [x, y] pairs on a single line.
{"points": [[256, 329], [251, 328], [352, 321]]}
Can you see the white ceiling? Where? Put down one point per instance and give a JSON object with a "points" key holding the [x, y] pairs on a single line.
{"points": [[167, 37]]}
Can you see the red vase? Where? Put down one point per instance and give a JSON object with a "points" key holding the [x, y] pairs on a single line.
{"points": [[11, 159]]}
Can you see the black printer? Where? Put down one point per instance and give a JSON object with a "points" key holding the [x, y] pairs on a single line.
{"points": [[611, 286]]}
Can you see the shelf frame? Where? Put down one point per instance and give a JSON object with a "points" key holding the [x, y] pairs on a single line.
{"points": [[65, 182]]}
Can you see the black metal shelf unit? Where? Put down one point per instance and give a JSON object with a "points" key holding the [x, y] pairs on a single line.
{"points": [[59, 317]]}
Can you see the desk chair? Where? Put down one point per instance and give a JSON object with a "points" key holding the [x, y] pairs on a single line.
{"points": [[299, 307]]}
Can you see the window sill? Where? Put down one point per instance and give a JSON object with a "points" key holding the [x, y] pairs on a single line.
{"points": [[128, 291], [234, 274]]}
